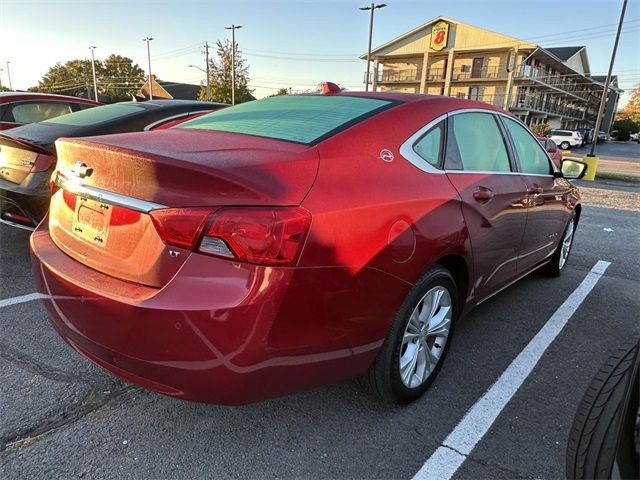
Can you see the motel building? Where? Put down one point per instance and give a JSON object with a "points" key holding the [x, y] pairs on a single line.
{"points": [[537, 84]]}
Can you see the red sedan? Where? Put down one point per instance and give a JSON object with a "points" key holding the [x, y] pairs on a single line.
{"points": [[296, 241], [20, 108], [552, 149]]}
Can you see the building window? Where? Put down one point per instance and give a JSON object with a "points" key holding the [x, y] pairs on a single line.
{"points": [[465, 68], [460, 95]]}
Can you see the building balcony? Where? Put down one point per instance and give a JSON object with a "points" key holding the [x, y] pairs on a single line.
{"points": [[436, 75], [493, 99], [485, 73], [549, 107], [559, 83], [398, 76]]}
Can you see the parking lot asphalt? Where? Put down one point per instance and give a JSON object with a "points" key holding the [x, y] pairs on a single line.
{"points": [[63, 417]]}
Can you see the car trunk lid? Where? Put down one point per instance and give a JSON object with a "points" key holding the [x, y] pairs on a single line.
{"points": [[102, 214]]}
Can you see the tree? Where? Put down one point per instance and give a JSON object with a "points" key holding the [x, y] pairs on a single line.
{"points": [[280, 92], [120, 78], [624, 128], [632, 110], [117, 78], [541, 129], [220, 75]]}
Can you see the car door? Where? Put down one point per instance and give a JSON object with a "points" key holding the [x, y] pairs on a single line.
{"points": [[478, 164], [547, 204]]}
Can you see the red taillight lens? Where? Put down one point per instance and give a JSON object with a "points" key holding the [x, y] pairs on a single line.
{"points": [[268, 236], [180, 226], [43, 163]]}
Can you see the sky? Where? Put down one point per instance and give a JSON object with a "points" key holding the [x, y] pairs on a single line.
{"points": [[291, 44]]}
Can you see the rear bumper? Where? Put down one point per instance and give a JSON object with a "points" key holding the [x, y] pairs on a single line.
{"points": [[220, 331], [29, 199]]}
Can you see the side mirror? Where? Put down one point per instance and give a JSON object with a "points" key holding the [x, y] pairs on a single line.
{"points": [[572, 169]]}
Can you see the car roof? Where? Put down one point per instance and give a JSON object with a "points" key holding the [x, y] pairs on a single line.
{"points": [[5, 97]]}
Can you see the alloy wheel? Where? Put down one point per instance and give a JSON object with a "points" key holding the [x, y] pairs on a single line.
{"points": [[565, 248], [425, 336]]}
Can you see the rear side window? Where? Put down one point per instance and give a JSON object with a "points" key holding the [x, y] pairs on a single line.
{"points": [[299, 118], [475, 143], [430, 145], [532, 157], [91, 116], [38, 111]]}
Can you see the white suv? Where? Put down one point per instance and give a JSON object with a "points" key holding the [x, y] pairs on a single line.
{"points": [[566, 139]]}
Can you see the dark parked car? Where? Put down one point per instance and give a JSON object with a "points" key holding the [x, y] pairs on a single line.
{"points": [[28, 153], [295, 241], [19, 108]]}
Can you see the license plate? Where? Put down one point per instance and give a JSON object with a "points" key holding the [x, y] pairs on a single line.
{"points": [[91, 221]]}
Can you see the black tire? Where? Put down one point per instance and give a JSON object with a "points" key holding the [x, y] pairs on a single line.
{"points": [[383, 377], [565, 145], [555, 266], [605, 424]]}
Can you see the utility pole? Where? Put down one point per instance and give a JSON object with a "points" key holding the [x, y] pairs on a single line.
{"points": [[605, 92], [93, 69], [206, 50], [233, 61], [148, 39], [9, 75], [371, 7]]}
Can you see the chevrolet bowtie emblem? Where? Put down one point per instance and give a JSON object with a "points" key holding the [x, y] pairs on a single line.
{"points": [[81, 169]]}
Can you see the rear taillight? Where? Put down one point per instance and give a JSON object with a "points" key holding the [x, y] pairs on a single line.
{"points": [[180, 226], [43, 163], [266, 236]]}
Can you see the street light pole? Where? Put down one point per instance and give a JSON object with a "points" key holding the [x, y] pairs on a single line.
{"points": [[206, 49], [233, 61], [9, 75], [93, 69], [148, 39], [371, 7], [605, 92]]}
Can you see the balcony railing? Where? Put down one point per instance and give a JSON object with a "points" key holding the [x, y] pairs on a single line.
{"points": [[398, 76], [550, 106], [492, 99], [560, 82], [493, 71], [436, 74]]}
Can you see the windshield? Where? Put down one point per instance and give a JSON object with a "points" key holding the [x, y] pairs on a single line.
{"points": [[299, 118], [92, 116]]}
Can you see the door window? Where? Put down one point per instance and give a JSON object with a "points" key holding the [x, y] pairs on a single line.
{"points": [[39, 111], [475, 143], [430, 145], [533, 159]]}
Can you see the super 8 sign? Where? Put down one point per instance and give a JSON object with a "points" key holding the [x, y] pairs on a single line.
{"points": [[439, 36]]}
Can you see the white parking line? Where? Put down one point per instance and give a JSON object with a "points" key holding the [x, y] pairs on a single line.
{"points": [[21, 299], [465, 436]]}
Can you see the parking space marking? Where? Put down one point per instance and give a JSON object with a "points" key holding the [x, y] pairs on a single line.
{"points": [[21, 299], [446, 460]]}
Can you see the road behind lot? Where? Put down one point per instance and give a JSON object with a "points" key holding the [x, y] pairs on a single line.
{"points": [[63, 417]]}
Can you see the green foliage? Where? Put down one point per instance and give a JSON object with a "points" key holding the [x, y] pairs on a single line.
{"points": [[220, 75], [117, 77], [541, 129], [281, 91], [120, 78], [625, 128], [632, 110]]}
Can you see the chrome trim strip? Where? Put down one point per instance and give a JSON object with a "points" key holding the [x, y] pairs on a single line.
{"points": [[104, 196], [162, 121], [17, 225], [406, 149]]}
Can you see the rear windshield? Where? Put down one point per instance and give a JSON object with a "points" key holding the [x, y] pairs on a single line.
{"points": [[298, 118], [91, 116]]}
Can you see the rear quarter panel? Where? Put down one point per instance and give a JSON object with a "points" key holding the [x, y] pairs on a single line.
{"points": [[377, 226]]}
